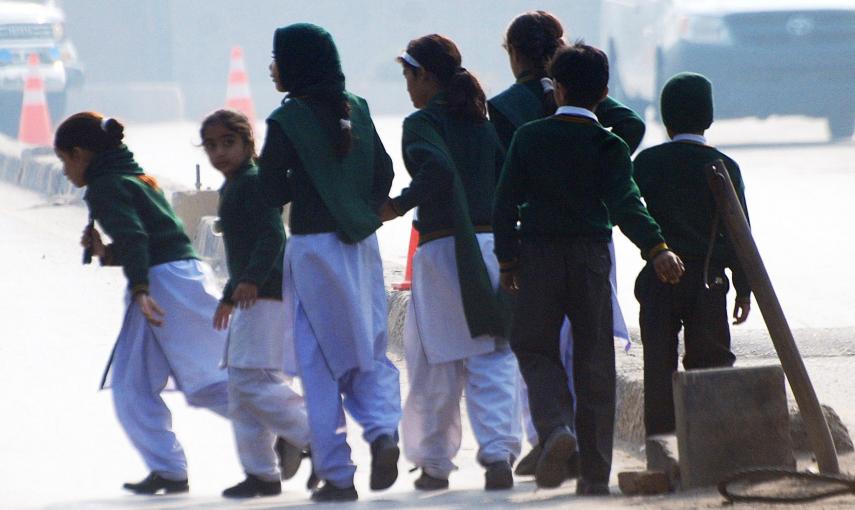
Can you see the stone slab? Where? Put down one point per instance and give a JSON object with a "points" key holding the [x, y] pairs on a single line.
{"points": [[730, 419]]}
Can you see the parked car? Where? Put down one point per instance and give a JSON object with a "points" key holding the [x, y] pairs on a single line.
{"points": [[32, 27], [764, 57]]}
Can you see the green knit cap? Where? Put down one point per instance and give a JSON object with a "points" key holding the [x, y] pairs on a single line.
{"points": [[687, 103]]}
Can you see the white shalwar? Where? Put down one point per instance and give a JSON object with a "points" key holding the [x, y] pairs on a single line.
{"points": [[262, 404], [337, 305], [566, 345], [443, 360], [185, 349]]}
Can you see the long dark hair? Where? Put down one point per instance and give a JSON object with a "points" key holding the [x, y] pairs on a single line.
{"points": [[90, 131], [440, 56], [309, 66], [536, 36]]}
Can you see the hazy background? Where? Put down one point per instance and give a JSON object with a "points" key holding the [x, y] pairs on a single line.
{"points": [[159, 59]]}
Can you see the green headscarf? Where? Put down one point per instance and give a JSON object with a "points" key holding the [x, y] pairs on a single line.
{"points": [[687, 103], [308, 61]]}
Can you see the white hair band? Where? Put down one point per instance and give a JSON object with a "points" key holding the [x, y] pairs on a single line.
{"points": [[547, 85], [104, 122], [406, 57]]}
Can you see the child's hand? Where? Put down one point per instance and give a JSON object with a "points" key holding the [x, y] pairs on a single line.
{"points": [[387, 212], [91, 239], [741, 310], [508, 281], [669, 268], [222, 315], [245, 295], [149, 308]]}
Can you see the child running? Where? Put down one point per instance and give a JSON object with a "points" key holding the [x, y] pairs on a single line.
{"points": [[673, 183], [166, 332], [262, 405], [453, 335], [323, 155], [566, 181], [531, 40]]}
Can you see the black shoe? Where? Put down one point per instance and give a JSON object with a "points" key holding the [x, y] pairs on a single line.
{"points": [[384, 462], [330, 492], [154, 483], [552, 464], [573, 466], [527, 465], [498, 476], [429, 483], [290, 458], [252, 487], [586, 488]]}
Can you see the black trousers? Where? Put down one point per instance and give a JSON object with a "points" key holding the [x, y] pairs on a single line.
{"points": [[558, 279], [665, 310]]}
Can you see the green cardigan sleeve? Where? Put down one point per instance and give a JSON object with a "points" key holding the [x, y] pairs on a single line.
{"points": [[623, 122]]}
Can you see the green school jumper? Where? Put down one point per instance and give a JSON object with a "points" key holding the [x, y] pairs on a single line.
{"points": [[523, 102], [136, 215], [253, 235]]}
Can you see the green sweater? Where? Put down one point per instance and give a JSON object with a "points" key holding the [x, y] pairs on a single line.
{"points": [[673, 183], [568, 177], [523, 103], [477, 156], [253, 235], [135, 214]]}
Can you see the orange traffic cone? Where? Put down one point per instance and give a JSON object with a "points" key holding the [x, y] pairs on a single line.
{"points": [[408, 273], [35, 127], [238, 95]]}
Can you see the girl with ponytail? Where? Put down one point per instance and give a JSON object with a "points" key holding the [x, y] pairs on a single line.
{"points": [[455, 324], [166, 332], [322, 154], [531, 41]]}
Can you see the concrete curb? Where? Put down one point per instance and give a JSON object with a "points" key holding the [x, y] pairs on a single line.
{"points": [[36, 169]]}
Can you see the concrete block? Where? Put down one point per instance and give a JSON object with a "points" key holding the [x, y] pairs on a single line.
{"points": [[730, 419], [629, 411], [191, 206], [839, 432], [661, 453], [398, 302], [640, 483]]}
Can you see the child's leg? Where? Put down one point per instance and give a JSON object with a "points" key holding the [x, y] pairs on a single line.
{"points": [[330, 451], [590, 312], [431, 426], [139, 373], [254, 440], [707, 334], [535, 336], [660, 326], [373, 399], [493, 405]]}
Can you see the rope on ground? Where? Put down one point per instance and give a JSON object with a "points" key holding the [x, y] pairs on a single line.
{"points": [[777, 485]]}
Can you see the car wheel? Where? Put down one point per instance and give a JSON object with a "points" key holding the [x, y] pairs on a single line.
{"points": [[841, 125], [10, 113], [56, 106]]}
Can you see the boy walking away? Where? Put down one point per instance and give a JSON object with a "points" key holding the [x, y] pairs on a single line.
{"points": [[566, 180], [672, 181]]}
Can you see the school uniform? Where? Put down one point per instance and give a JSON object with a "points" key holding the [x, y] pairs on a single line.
{"points": [[672, 181], [150, 244], [262, 403], [583, 186], [454, 330], [523, 102], [334, 294]]}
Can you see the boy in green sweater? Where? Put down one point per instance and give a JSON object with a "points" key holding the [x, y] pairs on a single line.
{"points": [[566, 180], [672, 181]]}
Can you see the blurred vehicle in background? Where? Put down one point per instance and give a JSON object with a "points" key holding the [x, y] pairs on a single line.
{"points": [[34, 27], [764, 57]]}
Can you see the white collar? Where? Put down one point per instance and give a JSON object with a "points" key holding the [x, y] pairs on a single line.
{"points": [[689, 137], [576, 111]]}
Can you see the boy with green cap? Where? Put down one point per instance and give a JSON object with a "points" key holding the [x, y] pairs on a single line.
{"points": [[565, 182], [672, 181]]}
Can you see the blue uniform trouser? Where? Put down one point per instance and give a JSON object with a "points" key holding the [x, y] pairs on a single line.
{"points": [[372, 398]]}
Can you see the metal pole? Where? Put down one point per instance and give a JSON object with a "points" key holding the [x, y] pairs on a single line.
{"points": [[198, 178], [749, 257]]}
